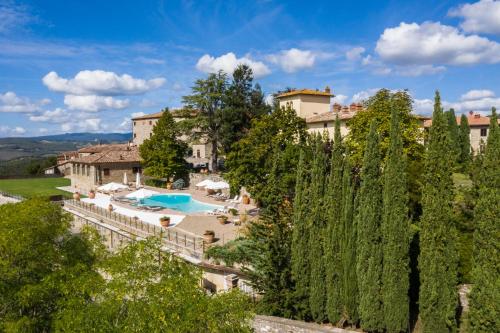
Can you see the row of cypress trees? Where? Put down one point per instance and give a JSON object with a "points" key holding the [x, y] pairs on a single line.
{"points": [[345, 227], [340, 253]]}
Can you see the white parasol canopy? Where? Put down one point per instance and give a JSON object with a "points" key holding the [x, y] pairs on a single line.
{"points": [[112, 187], [141, 194], [217, 185], [125, 179], [205, 182], [137, 180]]}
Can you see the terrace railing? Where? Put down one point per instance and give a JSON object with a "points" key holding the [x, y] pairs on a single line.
{"points": [[174, 239]]}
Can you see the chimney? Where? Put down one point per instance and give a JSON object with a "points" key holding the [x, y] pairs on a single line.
{"points": [[337, 107], [345, 108], [327, 90], [353, 107]]}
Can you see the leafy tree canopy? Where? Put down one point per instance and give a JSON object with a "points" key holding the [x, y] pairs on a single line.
{"points": [[163, 153]]}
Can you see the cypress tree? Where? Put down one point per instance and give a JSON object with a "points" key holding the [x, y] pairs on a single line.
{"points": [[464, 142], [300, 238], [369, 251], [396, 235], [438, 258], [349, 295], [453, 135], [317, 287], [485, 295], [333, 260]]}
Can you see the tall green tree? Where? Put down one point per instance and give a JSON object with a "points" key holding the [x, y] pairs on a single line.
{"points": [[317, 225], [163, 154], [39, 260], [453, 135], [243, 103], [484, 306], [251, 158], [204, 113], [349, 292], [438, 258], [465, 158], [395, 234], [378, 110], [147, 290], [370, 251], [300, 237], [334, 232]]}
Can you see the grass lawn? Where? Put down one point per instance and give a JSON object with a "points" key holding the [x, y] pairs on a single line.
{"points": [[32, 187]]}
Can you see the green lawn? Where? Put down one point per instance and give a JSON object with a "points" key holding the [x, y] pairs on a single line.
{"points": [[32, 187]]}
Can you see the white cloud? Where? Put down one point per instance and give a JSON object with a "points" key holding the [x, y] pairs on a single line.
{"points": [[101, 83], [364, 94], [43, 130], [482, 16], [228, 63], [269, 99], [146, 103], [150, 61], [10, 102], [86, 125], [58, 115], [293, 60], [472, 95], [93, 103], [355, 53], [433, 43], [137, 114], [12, 131], [340, 99], [423, 106]]}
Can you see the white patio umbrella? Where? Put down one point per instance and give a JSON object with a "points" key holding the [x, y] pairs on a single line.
{"points": [[137, 180], [204, 183], [112, 187], [125, 179], [217, 185], [141, 194]]}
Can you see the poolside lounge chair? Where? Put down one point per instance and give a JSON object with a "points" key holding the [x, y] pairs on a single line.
{"points": [[235, 199]]}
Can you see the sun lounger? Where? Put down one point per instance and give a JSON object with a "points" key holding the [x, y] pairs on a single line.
{"points": [[234, 200]]}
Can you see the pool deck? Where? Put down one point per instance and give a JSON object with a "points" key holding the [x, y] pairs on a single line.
{"points": [[193, 223]]}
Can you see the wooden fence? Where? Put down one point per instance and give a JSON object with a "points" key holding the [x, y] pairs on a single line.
{"points": [[173, 239]]}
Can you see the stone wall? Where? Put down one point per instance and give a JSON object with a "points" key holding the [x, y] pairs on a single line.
{"points": [[267, 324]]}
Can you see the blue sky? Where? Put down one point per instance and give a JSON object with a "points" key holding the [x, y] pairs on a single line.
{"points": [[72, 66]]}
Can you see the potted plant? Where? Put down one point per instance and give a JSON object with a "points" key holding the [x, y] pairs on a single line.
{"points": [[76, 196], [222, 219], [92, 194], [246, 199], [165, 221], [233, 211], [208, 236], [169, 186]]}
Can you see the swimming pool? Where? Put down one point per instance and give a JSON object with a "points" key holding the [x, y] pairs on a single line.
{"points": [[181, 202]]}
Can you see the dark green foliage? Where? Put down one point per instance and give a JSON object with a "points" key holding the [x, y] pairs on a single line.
{"points": [[163, 153], [242, 103], [464, 144], [300, 237], [369, 251], [317, 225], [349, 292], [396, 235], [39, 260], [203, 112], [438, 257], [251, 158], [453, 136], [485, 295], [334, 230]]}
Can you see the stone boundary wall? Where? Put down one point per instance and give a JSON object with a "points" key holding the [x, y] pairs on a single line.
{"points": [[268, 324]]}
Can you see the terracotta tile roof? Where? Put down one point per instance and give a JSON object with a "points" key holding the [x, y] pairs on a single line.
{"points": [[157, 115], [330, 116], [125, 155], [305, 92], [101, 148], [149, 116], [474, 119]]}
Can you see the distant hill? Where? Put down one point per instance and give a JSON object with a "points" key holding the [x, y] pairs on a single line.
{"points": [[87, 137]]}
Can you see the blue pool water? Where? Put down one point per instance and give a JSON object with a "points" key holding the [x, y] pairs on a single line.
{"points": [[181, 202]]}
